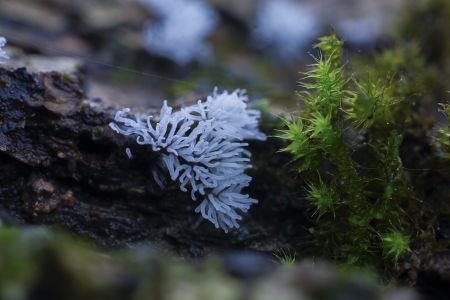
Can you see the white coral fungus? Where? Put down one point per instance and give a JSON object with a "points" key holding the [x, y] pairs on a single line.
{"points": [[202, 146], [285, 26], [181, 32], [3, 56]]}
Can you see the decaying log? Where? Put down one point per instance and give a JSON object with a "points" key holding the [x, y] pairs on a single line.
{"points": [[63, 166]]}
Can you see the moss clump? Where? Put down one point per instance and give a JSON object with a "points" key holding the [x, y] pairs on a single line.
{"points": [[435, 36], [395, 243], [345, 141], [321, 197], [286, 258], [433, 39], [444, 133]]}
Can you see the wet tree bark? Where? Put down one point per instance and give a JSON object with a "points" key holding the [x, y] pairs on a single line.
{"points": [[63, 166]]}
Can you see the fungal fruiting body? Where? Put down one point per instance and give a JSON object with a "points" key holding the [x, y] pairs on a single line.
{"points": [[175, 36], [202, 147], [3, 56], [285, 26]]}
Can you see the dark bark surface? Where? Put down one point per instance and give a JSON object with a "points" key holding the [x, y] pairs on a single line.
{"points": [[63, 166]]}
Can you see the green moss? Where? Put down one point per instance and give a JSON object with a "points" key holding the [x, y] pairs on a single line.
{"points": [[321, 197], [433, 40], [286, 258], [346, 142], [395, 243], [444, 133]]}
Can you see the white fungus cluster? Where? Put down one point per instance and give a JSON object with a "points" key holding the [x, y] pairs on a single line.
{"points": [[182, 29], [202, 146], [3, 56], [360, 31], [285, 26]]}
